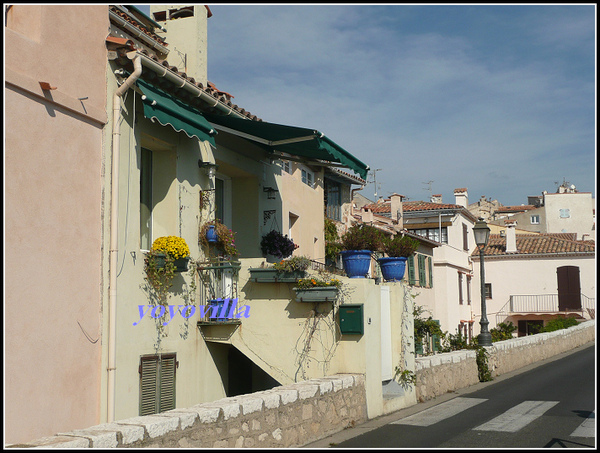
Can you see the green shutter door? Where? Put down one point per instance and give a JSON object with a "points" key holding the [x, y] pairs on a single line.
{"points": [[411, 269], [422, 278]]}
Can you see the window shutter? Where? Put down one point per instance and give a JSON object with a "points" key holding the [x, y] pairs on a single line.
{"points": [[167, 384], [148, 385], [422, 278], [411, 270], [157, 383], [430, 265]]}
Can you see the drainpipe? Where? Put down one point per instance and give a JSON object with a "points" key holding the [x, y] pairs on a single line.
{"points": [[114, 233]]}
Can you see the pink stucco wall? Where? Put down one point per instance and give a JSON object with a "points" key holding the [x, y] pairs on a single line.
{"points": [[53, 208]]}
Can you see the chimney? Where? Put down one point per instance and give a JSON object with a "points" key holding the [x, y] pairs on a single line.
{"points": [[511, 236], [396, 209], [187, 37], [436, 198], [366, 215], [462, 198]]}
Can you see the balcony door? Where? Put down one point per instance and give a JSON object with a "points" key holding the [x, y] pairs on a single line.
{"points": [[569, 288]]}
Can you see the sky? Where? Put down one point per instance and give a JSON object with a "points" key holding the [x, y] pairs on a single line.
{"points": [[498, 99]]}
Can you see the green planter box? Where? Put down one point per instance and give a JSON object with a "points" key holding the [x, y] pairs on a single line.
{"points": [[260, 275], [317, 294]]}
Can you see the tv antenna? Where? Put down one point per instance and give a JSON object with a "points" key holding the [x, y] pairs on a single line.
{"points": [[374, 173], [429, 188]]}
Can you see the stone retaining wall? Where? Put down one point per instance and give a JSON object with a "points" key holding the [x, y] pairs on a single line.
{"points": [[285, 416], [442, 373]]}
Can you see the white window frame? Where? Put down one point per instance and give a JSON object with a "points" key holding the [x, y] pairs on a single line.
{"points": [[535, 219], [308, 177]]}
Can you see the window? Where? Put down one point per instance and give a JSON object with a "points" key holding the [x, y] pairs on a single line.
{"points": [[433, 234], [157, 383], [286, 166], [146, 199], [419, 265], [159, 204], [460, 288], [333, 202], [308, 177], [430, 265], [488, 290], [468, 290], [535, 219], [465, 237], [565, 213]]}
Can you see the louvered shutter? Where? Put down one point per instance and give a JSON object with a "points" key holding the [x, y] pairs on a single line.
{"points": [[422, 274], [430, 265], [148, 385], [411, 269], [157, 383], [167, 384]]}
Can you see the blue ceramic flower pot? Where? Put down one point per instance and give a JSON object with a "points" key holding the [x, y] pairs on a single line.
{"points": [[392, 268], [211, 234], [356, 263]]}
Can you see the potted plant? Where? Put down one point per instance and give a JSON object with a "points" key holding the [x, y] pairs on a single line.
{"points": [[276, 244], [170, 248], [357, 245], [317, 290], [289, 270], [397, 249], [219, 236]]}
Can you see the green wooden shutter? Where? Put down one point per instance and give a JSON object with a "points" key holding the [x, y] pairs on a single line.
{"points": [[430, 265], [411, 270], [422, 278]]}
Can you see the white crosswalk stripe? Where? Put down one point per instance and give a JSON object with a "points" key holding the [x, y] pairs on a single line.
{"points": [[440, 412], [587, 428], [517, 417]]}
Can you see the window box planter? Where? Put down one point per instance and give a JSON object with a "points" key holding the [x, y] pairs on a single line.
{"points": [[181, 264], [262, 275], [317, 294]]}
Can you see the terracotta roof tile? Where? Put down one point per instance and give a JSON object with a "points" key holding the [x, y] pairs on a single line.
{"points": [[529, 244]]}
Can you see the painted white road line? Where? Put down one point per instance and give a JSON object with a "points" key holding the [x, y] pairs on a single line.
{"points": [[587, 428], [517, 417], [440, 412]]}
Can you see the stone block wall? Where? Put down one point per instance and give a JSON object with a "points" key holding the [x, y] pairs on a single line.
{"points": [[442, 373], [285, 416], [509, 355]]}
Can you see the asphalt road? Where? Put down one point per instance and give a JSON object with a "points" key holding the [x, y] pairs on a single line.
{"points": [[551, 405]]}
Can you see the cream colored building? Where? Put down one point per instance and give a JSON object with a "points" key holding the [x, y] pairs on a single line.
{"points": [[128, 155], [532, 278]]}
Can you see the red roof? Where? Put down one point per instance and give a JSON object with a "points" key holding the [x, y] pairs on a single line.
{"points": [[529, 244]]}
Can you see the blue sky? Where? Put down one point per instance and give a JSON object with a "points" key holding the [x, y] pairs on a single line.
{"points": [[499, 99]]}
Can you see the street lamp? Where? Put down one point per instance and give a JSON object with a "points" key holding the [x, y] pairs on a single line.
{"points": [[482, 234]]}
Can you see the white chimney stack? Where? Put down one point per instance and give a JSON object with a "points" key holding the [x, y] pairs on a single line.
{"points": [[437, 198], [462, 197], [511, 236]]}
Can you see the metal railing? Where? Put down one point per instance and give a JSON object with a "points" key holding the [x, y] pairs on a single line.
{"points": [[543, 303]]}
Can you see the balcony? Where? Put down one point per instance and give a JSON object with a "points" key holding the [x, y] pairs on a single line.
{"points": [[573, 304]]}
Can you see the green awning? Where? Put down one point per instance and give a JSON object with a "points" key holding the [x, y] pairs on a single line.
{"points": [[167, 110], [298, 141]]}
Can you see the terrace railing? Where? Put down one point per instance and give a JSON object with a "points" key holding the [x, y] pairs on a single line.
{"points": [[543, 303]]}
